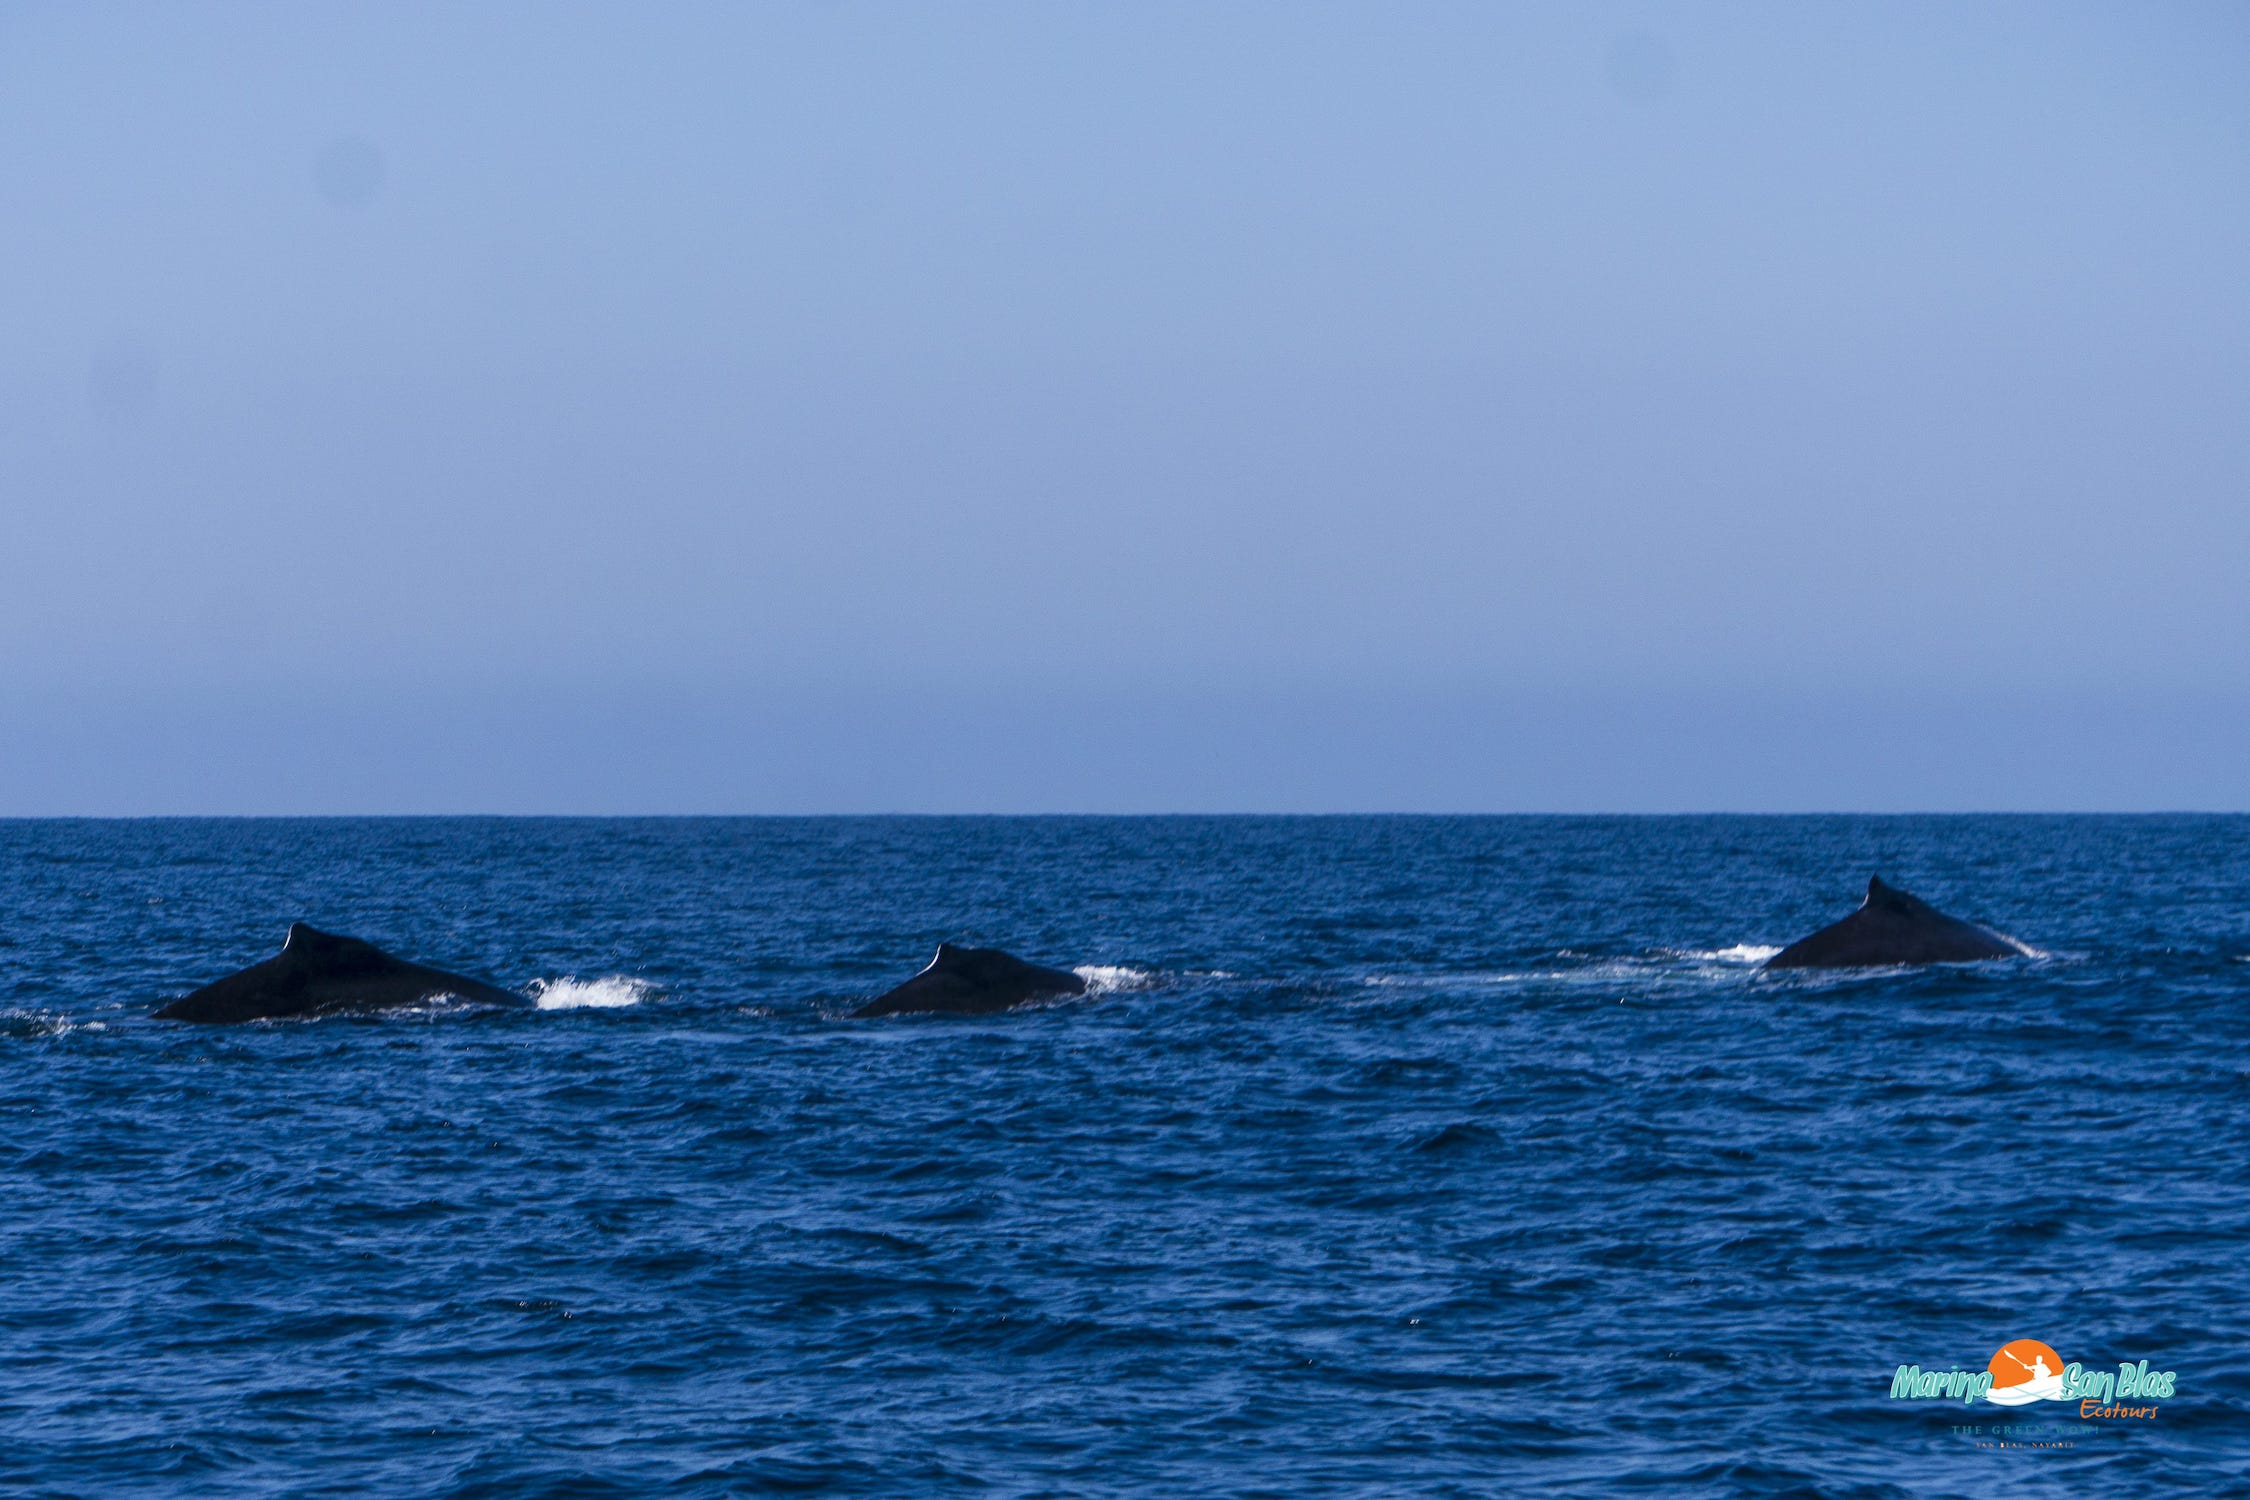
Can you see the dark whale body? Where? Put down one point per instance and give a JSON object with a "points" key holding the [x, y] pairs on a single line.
{"points": [[319, 974], [973, 982], [1892, 927]]}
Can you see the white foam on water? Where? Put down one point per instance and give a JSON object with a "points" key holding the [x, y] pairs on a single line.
{"points": [[1740, 953], [1109, 979], [605, 993], [43, 1023], [1663, 966], [1450, 981]]}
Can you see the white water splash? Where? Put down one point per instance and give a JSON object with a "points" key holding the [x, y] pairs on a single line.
{"points": [[1740, 953], [605, 993], [1109, 979]]}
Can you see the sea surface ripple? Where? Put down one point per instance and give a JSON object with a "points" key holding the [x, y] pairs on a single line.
{"points": [[1430, 1156]]}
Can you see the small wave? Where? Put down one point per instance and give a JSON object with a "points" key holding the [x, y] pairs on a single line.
{"points": [[1110, 979], [585, 994], [1456, 1137]]}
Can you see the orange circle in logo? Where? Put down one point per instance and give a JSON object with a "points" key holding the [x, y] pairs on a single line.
{"points": [[2022, 1361]]}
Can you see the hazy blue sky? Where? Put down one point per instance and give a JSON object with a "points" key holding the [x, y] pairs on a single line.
{"points": [[849, 406]]}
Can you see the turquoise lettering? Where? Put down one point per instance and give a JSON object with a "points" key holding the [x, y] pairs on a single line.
{"points": [[2089, 1385]]}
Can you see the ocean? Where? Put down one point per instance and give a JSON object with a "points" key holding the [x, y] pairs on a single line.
{"points": [[1388, 1156]]}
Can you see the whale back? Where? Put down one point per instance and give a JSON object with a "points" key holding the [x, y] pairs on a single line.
{"points": [[324, 973], [1892, 927], [973, 981]]}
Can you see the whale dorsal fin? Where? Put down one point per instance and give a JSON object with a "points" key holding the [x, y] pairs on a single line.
{"points": [[303, 935], [1883, 897], [1892, 927]]}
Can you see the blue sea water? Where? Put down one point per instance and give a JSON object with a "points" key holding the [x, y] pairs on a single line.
{"points": [[1391, 1156]]}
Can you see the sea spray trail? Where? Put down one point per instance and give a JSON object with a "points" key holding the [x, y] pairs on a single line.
{"points": [[1390, 1155]]}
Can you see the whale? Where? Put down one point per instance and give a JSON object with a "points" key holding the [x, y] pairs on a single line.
{"points": [[321, 974], [972, 982], [1890, 928]]}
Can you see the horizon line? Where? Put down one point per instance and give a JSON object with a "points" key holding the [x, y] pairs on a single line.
{"points": [[644, 817]]}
